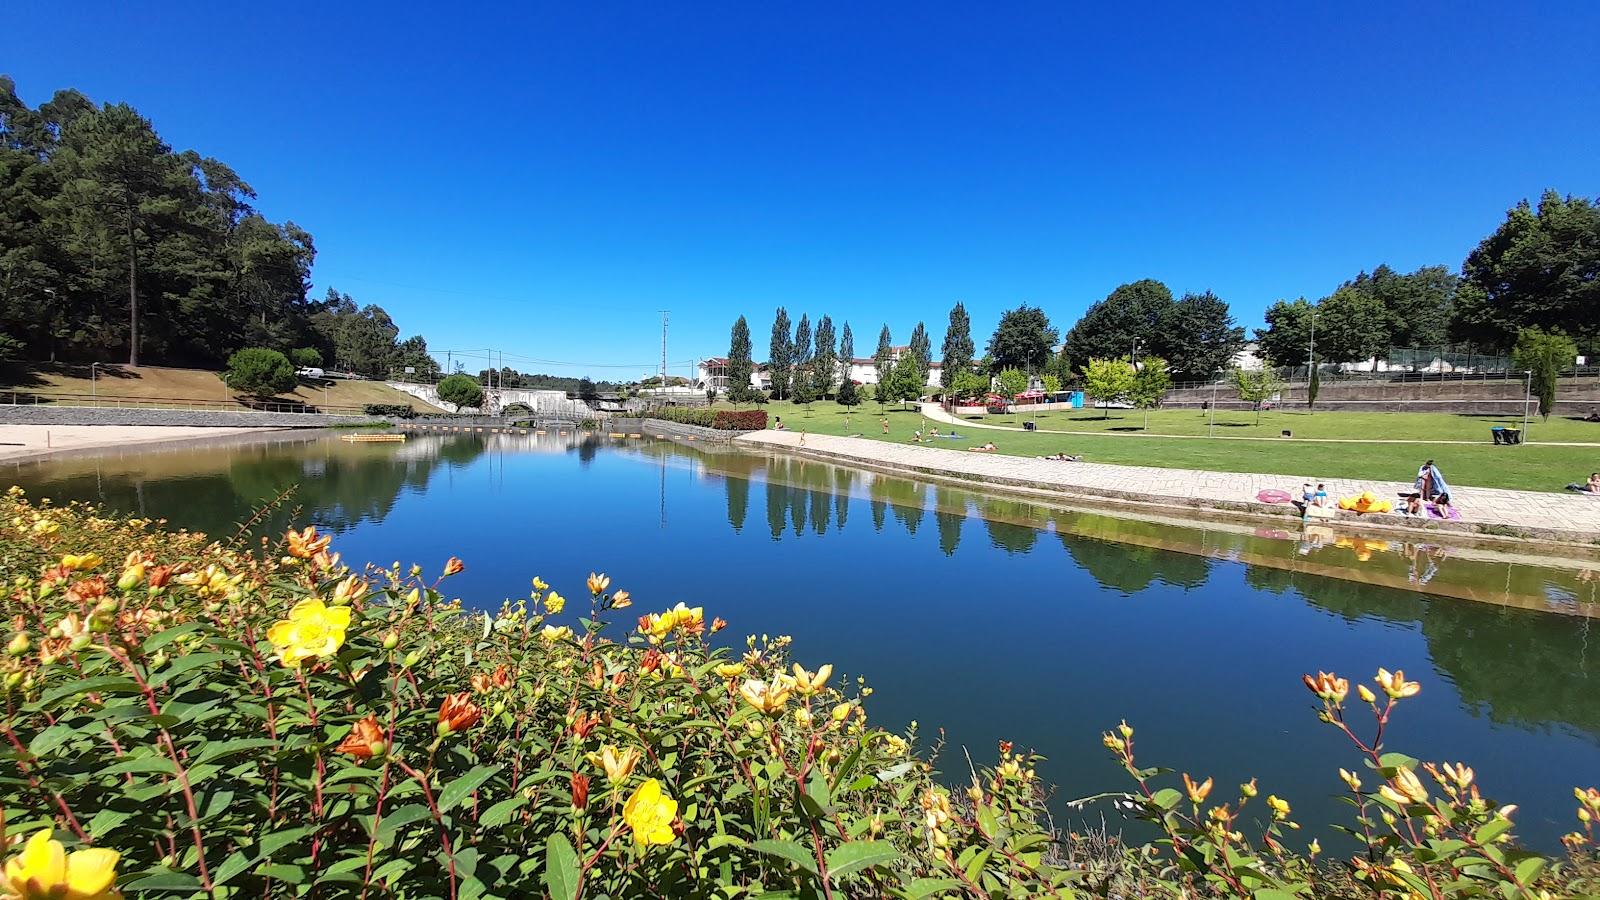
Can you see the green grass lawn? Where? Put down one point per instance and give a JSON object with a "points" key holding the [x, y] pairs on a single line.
{"points": [[1535, 467]]}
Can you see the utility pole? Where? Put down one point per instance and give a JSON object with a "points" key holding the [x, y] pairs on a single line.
{"points": [[1311, 353], [664, 314]]}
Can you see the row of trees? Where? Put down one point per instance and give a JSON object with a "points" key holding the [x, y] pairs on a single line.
{"points": [[1540, 269], [112, 244]]}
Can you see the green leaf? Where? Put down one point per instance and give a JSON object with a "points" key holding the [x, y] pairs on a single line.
{"points": [[857, 855], [1272, 894], [51, 738], [157, 641], [500, 813], [272, 843], [105, 684], [162, 880], [219, 749], [560, 868], [1492, 830], [788, 850], [918, 888], [238, 862], [394, 821], [894, 772], [457, 791], [1529, 869], [1167, 798], [183, 664]]}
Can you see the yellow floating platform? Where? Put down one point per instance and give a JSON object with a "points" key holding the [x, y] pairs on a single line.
{"points": [[371, 438]]}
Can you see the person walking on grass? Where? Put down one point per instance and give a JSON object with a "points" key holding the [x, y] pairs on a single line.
{"points": [[885, 424]]}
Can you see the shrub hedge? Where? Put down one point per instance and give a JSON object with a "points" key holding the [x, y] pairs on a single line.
{"points": [[740, 420], [194, 718], [721, 419], [390, 410]]}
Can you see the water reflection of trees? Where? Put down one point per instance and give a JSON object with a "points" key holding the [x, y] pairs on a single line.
{"points": [[1519, 667], [214, 490]]}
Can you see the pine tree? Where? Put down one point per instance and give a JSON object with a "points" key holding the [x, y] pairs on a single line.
{"points": [[825, 362], [958, 347], [883, 359], [780, 356], [739, 362], [922, 349]]}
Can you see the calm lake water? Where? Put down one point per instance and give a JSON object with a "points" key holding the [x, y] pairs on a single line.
{"points": [[980, 617]]}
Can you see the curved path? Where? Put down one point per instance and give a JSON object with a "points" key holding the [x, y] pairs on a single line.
{"points": [[937, 413], [1563, 517]]}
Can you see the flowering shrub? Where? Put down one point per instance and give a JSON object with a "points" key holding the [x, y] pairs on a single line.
{"points": [[740, 420], [193, 718]]}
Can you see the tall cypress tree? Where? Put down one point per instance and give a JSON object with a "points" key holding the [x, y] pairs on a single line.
{"points": [[923, 349], [883, 358], [739, 362], [780, 355], [824, 363], [802, 392], [958, 347]]}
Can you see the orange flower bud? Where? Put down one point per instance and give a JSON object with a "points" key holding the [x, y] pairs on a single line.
{"points": [[718, 624], [458, 713], [1197, 792], [580, 791], [306, 544], [365, 739], [584, 724], [453, 566]]}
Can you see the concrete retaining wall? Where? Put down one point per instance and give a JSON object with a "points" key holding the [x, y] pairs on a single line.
{"points": [[654, 427], [1574, 396], [104, 415]]}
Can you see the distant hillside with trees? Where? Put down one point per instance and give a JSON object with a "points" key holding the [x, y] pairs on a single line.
{"points": [[114, 245]]}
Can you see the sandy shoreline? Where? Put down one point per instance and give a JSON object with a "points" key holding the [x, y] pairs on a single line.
{"points": [[24, 442]]}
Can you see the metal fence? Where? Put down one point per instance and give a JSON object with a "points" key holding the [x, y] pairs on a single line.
{"points": [[48, 398]]}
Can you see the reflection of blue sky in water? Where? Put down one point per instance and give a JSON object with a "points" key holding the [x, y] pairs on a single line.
{"points": [[988, 617]]}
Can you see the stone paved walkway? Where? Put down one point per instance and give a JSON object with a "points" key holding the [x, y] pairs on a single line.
{"points": [[1564, 516]]}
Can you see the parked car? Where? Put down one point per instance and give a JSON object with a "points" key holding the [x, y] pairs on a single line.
{"points": [[308, 372]]}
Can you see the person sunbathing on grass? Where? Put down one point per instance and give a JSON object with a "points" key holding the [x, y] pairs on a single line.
{"points": [[1064, 457], [986, 448]]}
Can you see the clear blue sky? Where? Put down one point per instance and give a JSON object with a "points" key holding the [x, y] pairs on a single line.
{"points": [[543, 179]]}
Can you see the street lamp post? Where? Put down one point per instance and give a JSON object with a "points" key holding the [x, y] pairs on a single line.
{"points": [[1527, 399], [1211, 429], [94, 390]]}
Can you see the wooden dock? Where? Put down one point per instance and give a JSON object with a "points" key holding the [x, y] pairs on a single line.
{"points": [[371, 438]]}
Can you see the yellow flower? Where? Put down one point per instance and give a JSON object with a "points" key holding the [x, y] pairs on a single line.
{"points": [[618, 766], [1197, 792], [349, 590], [808, 683], [45, 527], [83, 562], [650, 813], [45, 871], [729, 670], [1366, 693], [1280, 806], [843, 711], [555, 632], [1396, 685], [540, 584], [598, 583], [312, 629], [766, 698], [555, 603], [1405, 788]]}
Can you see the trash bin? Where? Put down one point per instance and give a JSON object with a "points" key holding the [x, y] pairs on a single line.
{"points": [[1503, 435], [1498, 433], [1028, 426]]}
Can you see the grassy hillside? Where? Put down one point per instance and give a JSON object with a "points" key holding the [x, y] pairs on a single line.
{"points": [[71, 383], [1365, 450]]}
